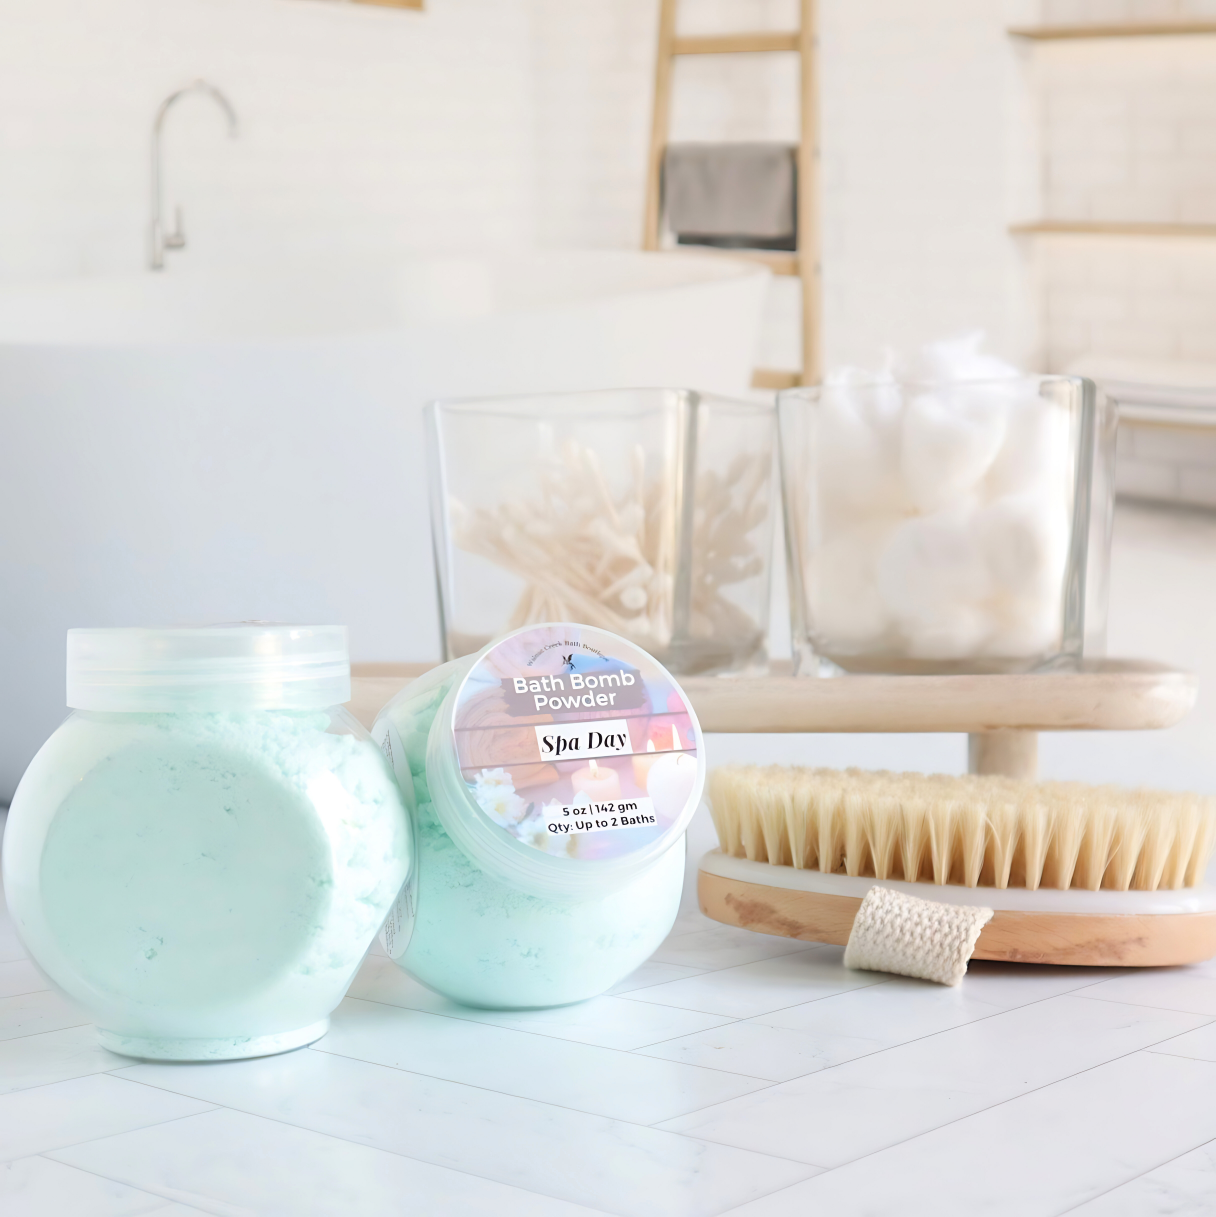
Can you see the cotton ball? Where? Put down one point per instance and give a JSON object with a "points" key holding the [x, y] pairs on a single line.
{"points": [[846, 607], [933, 579], [950, 439], [1024, 539], [931, 570], [1027, 628], [957, 358], [857, 452], [959, 633], [1038, 449], [847, 376]]}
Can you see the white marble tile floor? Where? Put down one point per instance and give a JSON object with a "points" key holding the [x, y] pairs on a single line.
{"points": [[609, 1022], [1192, 989], [44, 1010], [831, 1117], [19, 977], [582, 1077], [38, 1187], [894, 1096], [1181, 1188]]}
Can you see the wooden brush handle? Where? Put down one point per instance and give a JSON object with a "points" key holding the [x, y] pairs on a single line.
{"points": [[1127, 940]]}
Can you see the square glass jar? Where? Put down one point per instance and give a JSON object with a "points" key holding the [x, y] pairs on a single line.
{"points": [[959, 526], [646, 512]]}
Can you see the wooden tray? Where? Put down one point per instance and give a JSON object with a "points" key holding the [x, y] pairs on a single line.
{"points": [[1000, 713], [1103, 695], [1098, 929]]}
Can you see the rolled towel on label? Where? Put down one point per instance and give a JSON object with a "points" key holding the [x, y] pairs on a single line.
{"points": [[913, 937]]}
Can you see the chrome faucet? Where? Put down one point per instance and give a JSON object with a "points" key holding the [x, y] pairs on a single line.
{"points": [[158, 239]]}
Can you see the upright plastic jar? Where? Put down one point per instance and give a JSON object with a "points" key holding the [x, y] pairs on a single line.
{"points": [[203, 851], [555, 773]]}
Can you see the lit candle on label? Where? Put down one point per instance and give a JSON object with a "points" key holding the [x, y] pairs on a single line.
{"points": [[670, 783], [642, 764], [599, 785]]}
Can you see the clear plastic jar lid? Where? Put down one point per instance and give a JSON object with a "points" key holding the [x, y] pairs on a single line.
{"points": [[566, 762], [252, 665]]}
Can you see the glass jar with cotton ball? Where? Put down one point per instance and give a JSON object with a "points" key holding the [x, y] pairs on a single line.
{"points": [[948, 514]]}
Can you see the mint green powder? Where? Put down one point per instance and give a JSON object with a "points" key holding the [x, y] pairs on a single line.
{"points": [[482, 943], [205, 879]]}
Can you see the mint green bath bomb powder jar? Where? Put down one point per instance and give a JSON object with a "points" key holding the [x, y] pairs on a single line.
{"points": [[202, 853], [555, 773]]}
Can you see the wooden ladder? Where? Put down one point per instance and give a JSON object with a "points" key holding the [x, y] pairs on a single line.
{"points": [[804, 262]]}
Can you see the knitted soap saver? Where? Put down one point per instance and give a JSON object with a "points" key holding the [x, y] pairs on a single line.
{"points": [[913, 937]]}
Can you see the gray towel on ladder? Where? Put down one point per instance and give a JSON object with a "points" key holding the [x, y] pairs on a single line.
{"points": [[738, 196]]}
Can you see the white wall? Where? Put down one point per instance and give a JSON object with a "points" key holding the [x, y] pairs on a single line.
{"points": [[362, 128], [925, 164], [501, 122], [925, 147], [1128, 133]]}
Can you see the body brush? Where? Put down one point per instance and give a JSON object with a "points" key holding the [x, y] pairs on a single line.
{"points": [[1074, 873]]}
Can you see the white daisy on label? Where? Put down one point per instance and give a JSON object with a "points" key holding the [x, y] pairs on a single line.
{"points": [[495, 794], [534, 831]]}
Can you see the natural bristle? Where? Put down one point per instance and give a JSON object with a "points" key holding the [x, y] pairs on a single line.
{"points": [[980, 831]]}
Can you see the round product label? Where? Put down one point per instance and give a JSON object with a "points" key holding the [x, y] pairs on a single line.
{"points": [[576, 742]]}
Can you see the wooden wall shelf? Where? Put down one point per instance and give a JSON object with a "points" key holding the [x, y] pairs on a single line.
{"points": [[1075, 33], [1100, 228]]}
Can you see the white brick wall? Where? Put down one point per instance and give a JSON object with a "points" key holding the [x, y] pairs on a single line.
{"points": [[1130, 297], [925, 165], [1127, 132], [363, 129], [1105, 12], [592, 70], [1176, 464], [504, 122], [1129, 129], [925, 160]]}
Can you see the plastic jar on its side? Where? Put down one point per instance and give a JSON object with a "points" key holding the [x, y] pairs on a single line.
{"points": [[505, 915], [205, 872]]}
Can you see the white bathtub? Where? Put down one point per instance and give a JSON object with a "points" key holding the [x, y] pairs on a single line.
{"points": [[180, 448]]}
